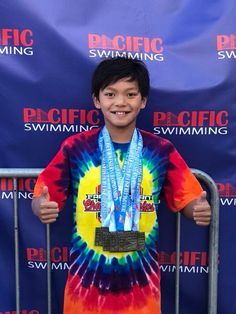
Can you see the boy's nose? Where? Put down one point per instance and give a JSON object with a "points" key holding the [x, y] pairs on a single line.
{"points": [[120, 101]]}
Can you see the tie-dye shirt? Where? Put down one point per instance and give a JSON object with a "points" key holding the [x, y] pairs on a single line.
{"points": [[124, 282]]}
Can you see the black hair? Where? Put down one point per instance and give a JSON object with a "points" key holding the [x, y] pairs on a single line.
{"points": [[110, 71]]}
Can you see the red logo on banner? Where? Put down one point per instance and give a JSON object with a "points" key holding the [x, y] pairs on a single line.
{"points": [[227, 192], [186, 258], [226, 46], [60, 119], [190, 262], [14, 41], [58, 254], [37, 258], [191, 122], [143, 48], [226, 189]]}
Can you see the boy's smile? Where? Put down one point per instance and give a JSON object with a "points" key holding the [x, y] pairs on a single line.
{"points": [[120, 104]]}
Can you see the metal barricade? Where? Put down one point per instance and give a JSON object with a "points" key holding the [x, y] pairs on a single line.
{"points": [[213, 244], [15, 174]]}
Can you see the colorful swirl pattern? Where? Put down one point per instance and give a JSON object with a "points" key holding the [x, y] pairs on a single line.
{"points": [[104, 282]]}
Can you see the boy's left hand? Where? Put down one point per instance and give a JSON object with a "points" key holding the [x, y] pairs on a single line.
{"points": [[202, 210]]}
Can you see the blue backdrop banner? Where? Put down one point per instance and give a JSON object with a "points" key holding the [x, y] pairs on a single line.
{"points": [[48, 51]]}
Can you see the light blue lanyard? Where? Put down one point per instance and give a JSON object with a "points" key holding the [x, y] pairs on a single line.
{"points": [[120, 187]]}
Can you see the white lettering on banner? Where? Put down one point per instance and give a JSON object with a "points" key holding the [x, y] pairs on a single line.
{"points": [[190, 131], [40, 265], [227, 54], [93, 53], [228, 201], [57, 128], [184, 269], [20, 195], [16, 51]]}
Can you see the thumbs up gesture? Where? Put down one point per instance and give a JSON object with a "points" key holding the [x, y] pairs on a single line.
{"points": [[46, 210], [202, 210]]}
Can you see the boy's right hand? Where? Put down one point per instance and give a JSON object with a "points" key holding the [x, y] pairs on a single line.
{"points": [[46, 210]]}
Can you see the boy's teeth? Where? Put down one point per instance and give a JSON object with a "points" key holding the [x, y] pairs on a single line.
{"points": [[120, 112]]}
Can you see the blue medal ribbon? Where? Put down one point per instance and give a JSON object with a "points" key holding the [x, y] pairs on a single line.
{"points": [[120, 187]]}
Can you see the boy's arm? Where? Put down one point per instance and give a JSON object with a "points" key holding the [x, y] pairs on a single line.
{"points": [[53, 185], [46, 210], [199, 210]]}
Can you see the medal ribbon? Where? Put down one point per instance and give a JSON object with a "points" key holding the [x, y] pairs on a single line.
{"points": [[120, 187]]}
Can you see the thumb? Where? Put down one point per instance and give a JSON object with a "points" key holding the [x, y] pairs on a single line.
{"points": [[203, 197], [45, 193]]}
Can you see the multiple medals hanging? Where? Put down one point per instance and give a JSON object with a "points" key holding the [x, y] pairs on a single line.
{"points": [[120, 196]]}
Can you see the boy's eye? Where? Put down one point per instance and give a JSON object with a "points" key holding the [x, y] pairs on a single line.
{"points": [[130, 95], [109, 94]]}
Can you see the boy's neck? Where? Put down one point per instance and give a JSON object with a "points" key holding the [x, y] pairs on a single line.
{"points": [[120, 135]]}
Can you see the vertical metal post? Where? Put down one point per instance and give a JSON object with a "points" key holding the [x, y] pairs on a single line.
{"points": [[213, 245], [15, 174], [16, 241], [49, 283], [178, 228], [213, 240]]}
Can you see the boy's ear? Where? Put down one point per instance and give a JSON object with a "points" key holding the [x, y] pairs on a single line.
{"points": [[144, 102], [96, 102]]}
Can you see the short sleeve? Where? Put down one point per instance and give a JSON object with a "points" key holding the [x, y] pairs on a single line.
{"points": [[180, 185], [56, 176]]}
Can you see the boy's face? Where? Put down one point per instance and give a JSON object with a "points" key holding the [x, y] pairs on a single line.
{"points": [[120, 104]]}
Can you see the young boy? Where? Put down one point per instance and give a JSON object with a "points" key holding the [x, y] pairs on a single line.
{"points": [[117, 175]]}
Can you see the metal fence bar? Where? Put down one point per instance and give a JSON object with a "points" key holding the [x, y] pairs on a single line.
{"points": [[19, 172], [213, 244], [213, 238], [16, 243], [177, 279], [15, 174], [49, 279]]}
